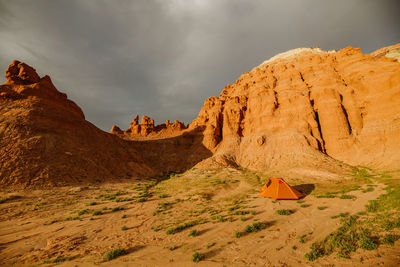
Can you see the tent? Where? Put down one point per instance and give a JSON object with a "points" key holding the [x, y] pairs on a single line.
{"points": [[277, 188]]}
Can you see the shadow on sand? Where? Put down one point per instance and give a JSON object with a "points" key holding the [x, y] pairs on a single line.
{"points": [[306, 189]]}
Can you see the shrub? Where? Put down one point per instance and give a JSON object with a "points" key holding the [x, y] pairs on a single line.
{"points": [[92, 203], [193, 233], [241, 212], [321, 208], [123, 216], [173, 248], [124, 228], [117, 209], [81, 212], [305, 205], [238, 234], [284, 212], [97, 212], [114, 253], [196, 257], [257, 226]]}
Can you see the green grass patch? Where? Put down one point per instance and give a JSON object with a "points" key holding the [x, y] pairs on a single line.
{"points": [[345, 240], [390, 239], [305, 205]]}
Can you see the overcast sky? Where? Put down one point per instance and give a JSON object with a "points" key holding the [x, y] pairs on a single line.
{"points": [[163, 58]]}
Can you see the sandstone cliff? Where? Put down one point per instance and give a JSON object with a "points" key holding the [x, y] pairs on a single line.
{"points": [[308, 105]]}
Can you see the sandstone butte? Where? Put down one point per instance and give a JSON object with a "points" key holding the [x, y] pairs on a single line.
{"points": [[305, 108]]}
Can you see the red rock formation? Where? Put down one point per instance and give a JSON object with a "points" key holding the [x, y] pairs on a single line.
{"points": [[304, 105], [20, 73], [302, 108], [147, 128], [45, 140]]}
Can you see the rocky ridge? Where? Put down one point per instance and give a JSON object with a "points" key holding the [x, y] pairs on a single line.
{"points": [[305, 108]]}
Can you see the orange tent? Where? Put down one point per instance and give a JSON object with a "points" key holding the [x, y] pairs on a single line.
{"points": [[277, 188]]}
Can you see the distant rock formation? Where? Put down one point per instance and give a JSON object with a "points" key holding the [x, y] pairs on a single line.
{"points": [[147, 128]]}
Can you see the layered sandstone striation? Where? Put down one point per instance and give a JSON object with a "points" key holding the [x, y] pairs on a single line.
{"points": [[308, 105]]}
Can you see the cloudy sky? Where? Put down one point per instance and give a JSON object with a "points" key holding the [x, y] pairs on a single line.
{"points": [[163, 58]]}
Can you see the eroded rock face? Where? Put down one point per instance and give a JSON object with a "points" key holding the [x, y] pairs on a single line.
{"points": [[307, 105], [46, 141], [21, 73], [147, 128]]}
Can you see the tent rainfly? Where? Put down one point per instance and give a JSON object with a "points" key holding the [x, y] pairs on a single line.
{"points": [[277, 188]]}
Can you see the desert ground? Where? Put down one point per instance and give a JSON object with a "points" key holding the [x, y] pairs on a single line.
{"points": [[216, 213]]}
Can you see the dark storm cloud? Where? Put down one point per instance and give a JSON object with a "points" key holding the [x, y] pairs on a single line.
{"points": [[164, 58]]}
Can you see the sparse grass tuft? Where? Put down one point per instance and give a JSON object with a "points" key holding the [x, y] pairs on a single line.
{"points": [[114, 253], [196, 257], [321, 208], [117, 209], [97, 212], [81, 212], [124, 228], [193, 233], [344, 196], [59, 259], [284, 212], [184, 226]]}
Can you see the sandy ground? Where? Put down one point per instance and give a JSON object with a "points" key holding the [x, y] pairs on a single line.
{"points": [[30, 234]]}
